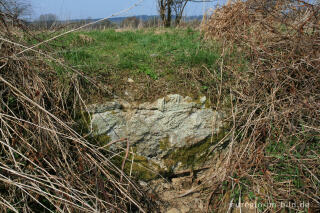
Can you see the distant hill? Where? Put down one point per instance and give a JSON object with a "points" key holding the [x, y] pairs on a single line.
{"points": [[118, 20], [109, 23]]}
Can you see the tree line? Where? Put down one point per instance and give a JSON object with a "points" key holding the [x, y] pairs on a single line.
{"points": [[169, 11]]}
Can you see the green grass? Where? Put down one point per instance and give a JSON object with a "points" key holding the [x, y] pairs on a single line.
{"points": [[139, 50], [138, 54], [283, 153], [161, 61]]}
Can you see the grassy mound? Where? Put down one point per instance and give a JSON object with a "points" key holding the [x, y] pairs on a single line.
{"points": [[274, 150], [160, 61]]}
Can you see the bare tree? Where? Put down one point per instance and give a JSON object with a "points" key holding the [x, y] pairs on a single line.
{"points": [[15, 8], [12, 11], [178, 8], [168, 7], [165, 11]]}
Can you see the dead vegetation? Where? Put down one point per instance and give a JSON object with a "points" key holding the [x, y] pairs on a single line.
{"points": [[45, 164], [273, 152]]}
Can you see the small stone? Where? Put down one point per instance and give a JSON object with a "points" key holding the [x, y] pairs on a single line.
{"points": [[142, 183], [203, 100], [173, 210], [130, 80]]}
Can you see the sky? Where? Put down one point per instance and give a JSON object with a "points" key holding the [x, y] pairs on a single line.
{"points": [[78, 9]]}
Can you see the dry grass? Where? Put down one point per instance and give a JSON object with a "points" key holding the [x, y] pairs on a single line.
{"points": [[275, 114], [45, 165], [273, 155]]}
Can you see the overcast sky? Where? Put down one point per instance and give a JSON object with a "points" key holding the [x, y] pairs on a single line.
{"points": [[75, 9]]}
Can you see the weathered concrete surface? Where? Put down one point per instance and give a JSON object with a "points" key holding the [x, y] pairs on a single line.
{"points": [[157, 128]]}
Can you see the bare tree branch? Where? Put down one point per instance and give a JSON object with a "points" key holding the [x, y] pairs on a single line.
{"points": [[166, 7]]}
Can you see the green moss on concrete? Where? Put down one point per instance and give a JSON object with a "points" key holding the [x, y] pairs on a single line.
{"points": [[83, 120], [195, 155], [208, 104], [191, 157], [165, 144], [142, 168], [197, 100], [101, 140], [83, 125]]}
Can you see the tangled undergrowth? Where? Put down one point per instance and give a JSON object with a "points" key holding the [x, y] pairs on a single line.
{"points": [[274, 151], [45, 164], [273, 156]]}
